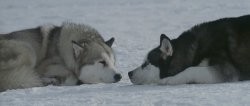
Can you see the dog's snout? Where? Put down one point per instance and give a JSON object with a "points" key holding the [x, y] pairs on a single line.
{"points": [[130, 74], [117, 77]]}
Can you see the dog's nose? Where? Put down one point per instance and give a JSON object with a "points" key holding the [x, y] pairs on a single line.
{"points": [[117, 77], [130, 74]]}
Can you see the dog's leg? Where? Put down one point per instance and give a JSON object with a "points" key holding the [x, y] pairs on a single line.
{"points": [[194, 75], [50, 81], [57, 74]]}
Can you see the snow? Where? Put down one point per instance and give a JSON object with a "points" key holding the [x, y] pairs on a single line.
{"points": [[136, 25]]}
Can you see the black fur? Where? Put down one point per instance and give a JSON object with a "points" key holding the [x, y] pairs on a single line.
{"points": [[110, 41], [224, 42]]}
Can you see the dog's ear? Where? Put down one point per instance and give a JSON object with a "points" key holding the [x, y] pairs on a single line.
{"points": [[110, 41], [77, 48], [165, 46]]}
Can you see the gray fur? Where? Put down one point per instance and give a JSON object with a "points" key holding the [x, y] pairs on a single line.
{"points": [[44, 55]]}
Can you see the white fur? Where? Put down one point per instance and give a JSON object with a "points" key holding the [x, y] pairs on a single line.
{"points": [[97, 73], [147, 75], [166, 48], [204, 63], [201, 74], [70, 80], [194, 75]]}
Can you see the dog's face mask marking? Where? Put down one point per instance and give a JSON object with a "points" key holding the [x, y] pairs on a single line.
{"points": [[154, 67], [95, 65]]}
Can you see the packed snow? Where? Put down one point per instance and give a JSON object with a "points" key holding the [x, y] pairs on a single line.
{"points": [[136, 25]]}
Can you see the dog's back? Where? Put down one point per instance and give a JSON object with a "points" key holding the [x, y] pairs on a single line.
{"points": [[225, 42]]}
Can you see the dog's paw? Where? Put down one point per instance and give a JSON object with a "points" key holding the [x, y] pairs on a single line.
{"points": [[170, 81], [50, 81]]}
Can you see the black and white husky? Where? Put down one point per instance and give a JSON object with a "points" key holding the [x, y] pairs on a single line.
{"points": [[223, 45]]}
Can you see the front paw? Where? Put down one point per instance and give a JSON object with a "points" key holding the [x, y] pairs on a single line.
{"points": [[50, 81], [168, 81]]}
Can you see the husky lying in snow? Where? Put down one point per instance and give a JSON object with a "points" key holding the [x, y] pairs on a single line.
{"points": [[223, 44], [61, 55]]}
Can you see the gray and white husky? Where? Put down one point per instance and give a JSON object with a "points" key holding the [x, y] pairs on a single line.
{"points": [[212, 52], [69, 54]]}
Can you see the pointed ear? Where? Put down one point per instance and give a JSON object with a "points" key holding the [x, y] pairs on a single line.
{"points": [[166, 46], [110, 41], [77, 48]]}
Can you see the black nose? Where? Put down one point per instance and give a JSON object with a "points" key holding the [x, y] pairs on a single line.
{"points": [[117, 77], [130, 74]]}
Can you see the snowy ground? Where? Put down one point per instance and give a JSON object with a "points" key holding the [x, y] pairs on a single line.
{"points": [[136, 25]]}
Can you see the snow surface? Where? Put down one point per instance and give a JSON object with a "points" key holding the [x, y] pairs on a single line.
{"points": [[136, 25]]}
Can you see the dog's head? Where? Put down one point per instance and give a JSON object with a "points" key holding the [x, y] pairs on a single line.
{"points": [[95, 62], [155, 65]]}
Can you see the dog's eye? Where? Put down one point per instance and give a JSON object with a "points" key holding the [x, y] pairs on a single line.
{"points": [[103, 62]]}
